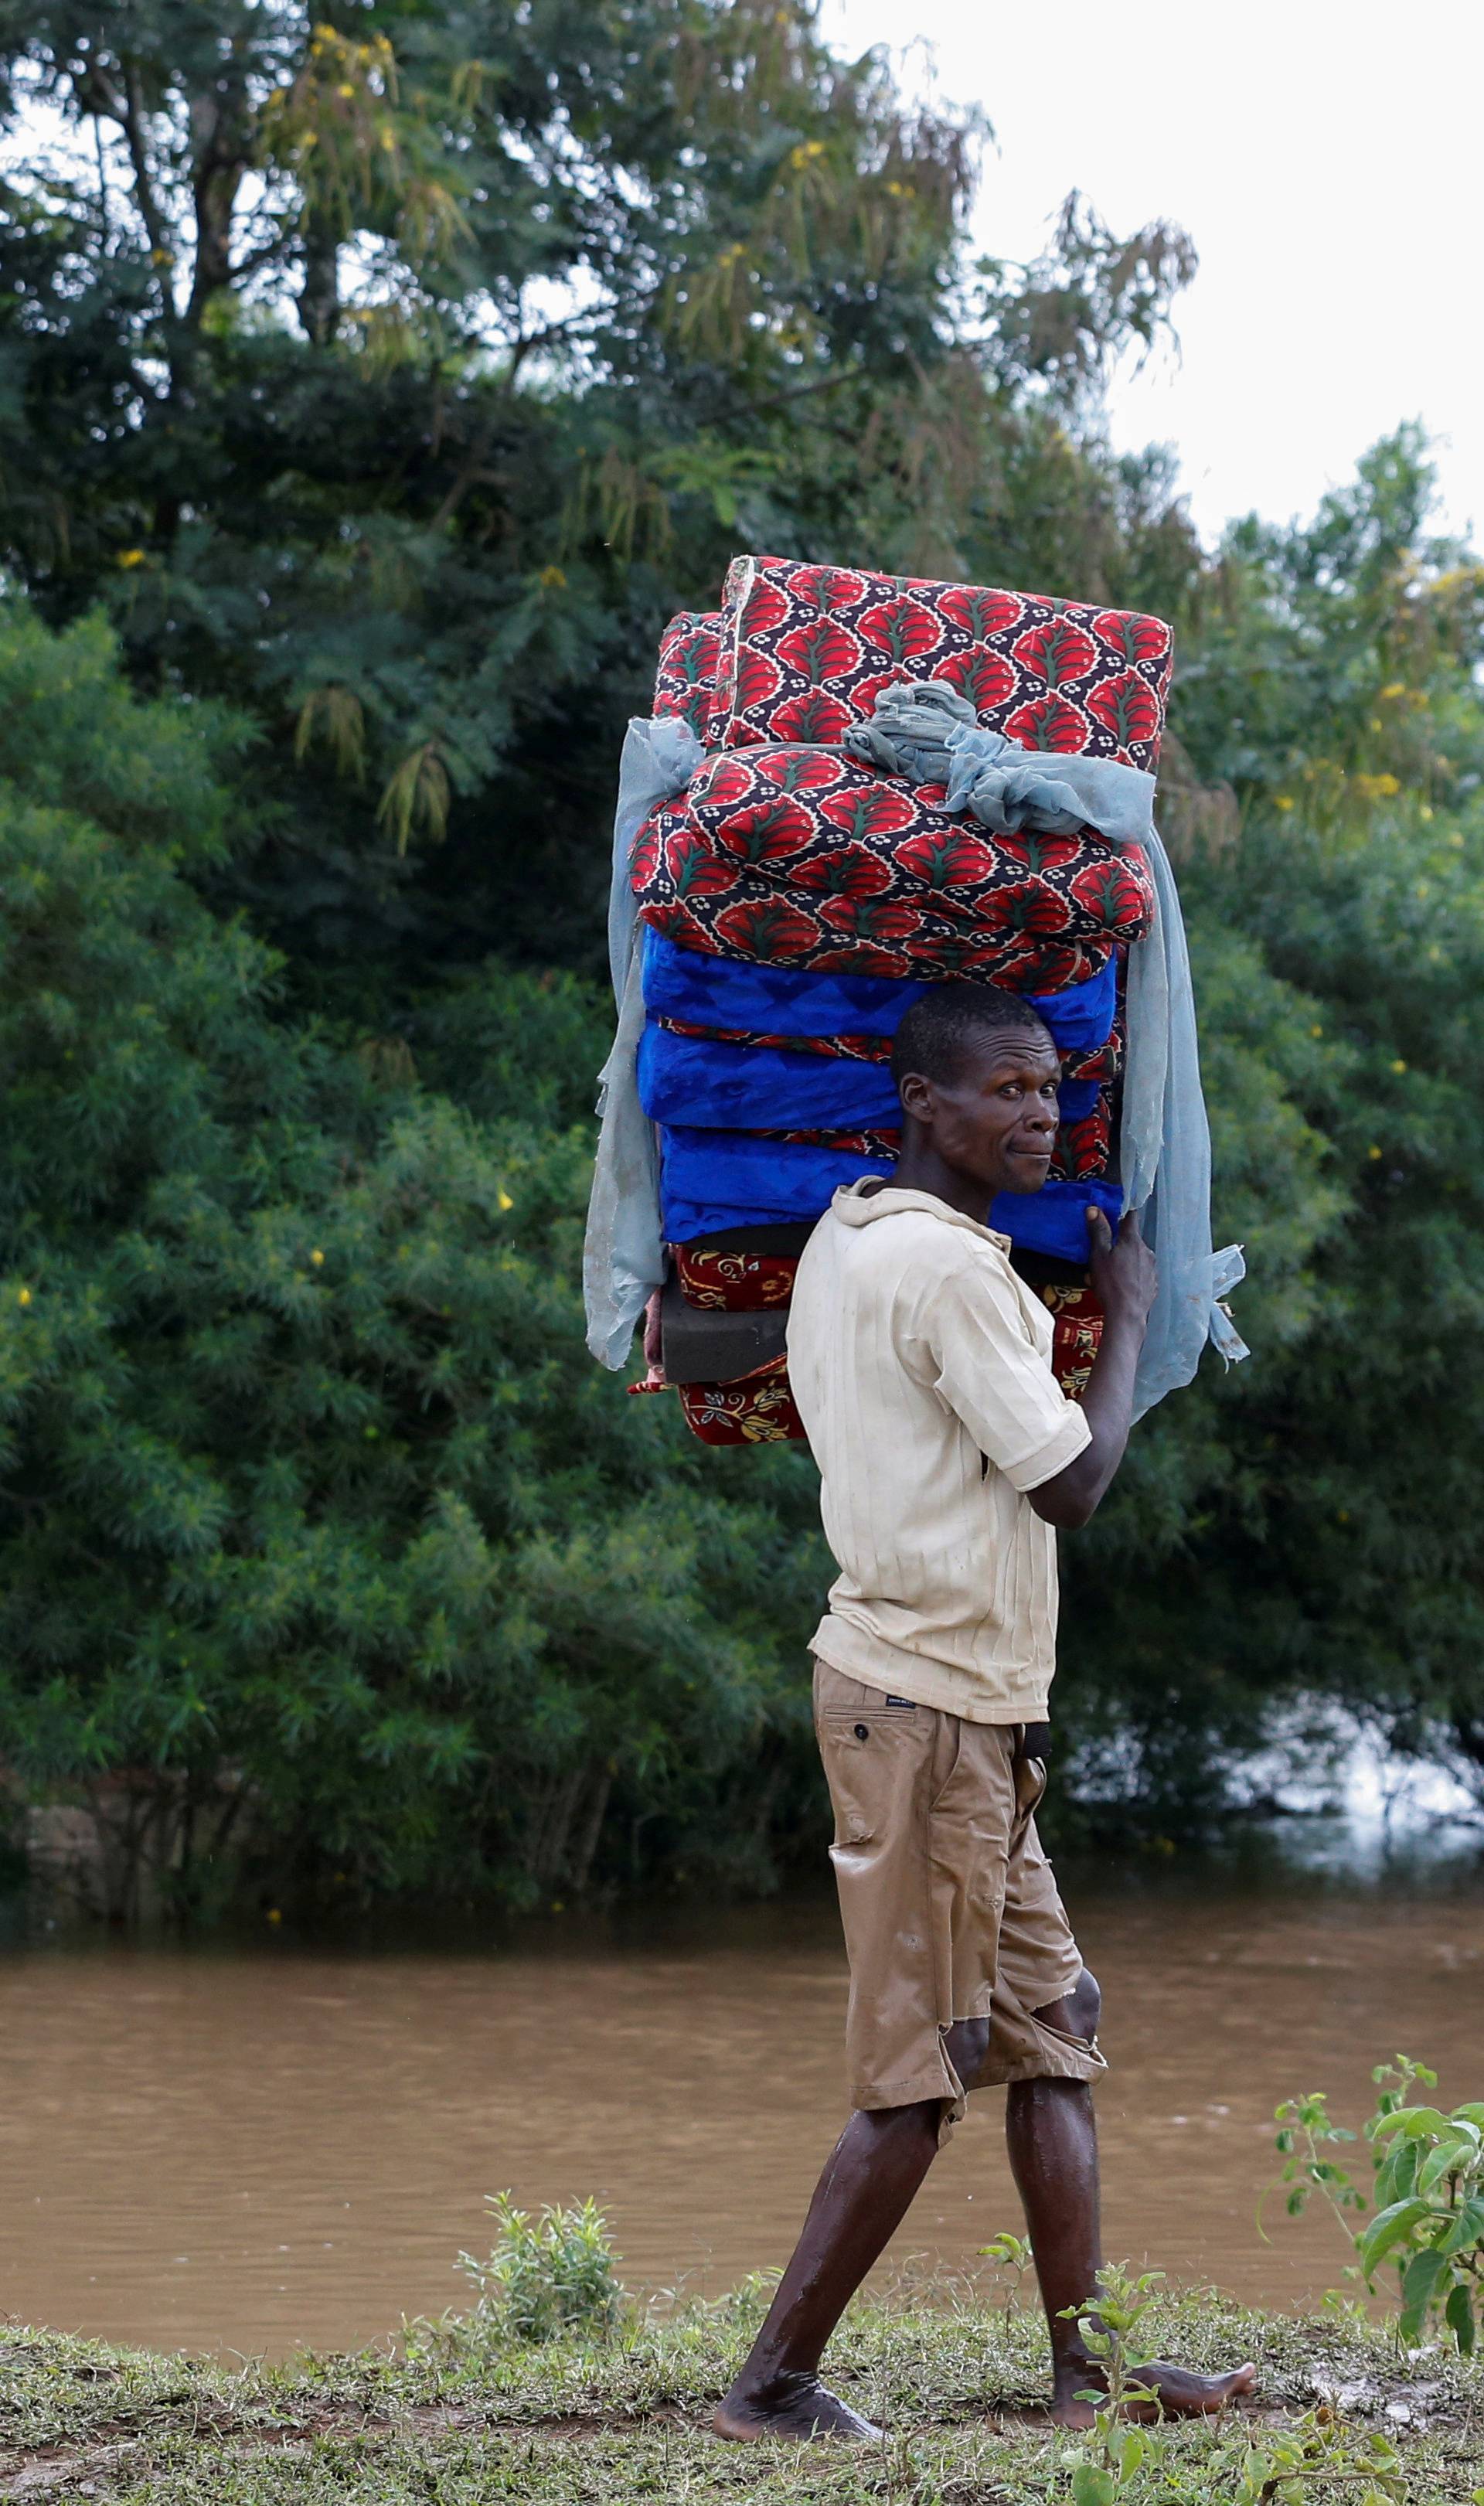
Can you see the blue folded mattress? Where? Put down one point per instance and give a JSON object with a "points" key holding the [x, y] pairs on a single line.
{"points": [[710, 1097], [750, 1088], [710, 1181], [780, 1000]]}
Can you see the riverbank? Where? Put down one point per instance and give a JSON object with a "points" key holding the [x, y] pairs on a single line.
{"points": [[448, 2414]]}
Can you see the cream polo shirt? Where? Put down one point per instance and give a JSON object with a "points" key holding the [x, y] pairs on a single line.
{"points": [[922, 1370]]}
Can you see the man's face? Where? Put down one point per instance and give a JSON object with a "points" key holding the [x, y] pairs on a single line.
{"points": [[995, 1124]]}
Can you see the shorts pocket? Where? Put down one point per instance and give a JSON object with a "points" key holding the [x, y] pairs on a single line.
{"points": [[862, 1749], [1030, 1785]]}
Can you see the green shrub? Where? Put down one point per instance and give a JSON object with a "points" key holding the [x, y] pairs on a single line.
{"points": [[1426, 2201], [546, 2276]]}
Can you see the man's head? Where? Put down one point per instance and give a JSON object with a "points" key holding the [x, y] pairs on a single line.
{"points": [[978, 1074]]}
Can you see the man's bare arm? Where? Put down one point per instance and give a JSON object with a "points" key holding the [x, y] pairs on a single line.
{"points": [[1124, 1279]]}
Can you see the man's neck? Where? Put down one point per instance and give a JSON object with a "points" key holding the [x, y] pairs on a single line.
{"points": [[920, 1168]]}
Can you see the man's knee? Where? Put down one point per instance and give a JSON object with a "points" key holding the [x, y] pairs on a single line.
{"points": [[1086, 2003], [1077, 2012], [967, 2046]]}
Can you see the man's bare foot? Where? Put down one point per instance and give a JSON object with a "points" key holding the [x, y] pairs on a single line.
{"points": [[1180, 2396], [791, 2406]]}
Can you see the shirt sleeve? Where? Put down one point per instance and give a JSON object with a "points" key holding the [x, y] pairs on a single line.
{"points": [[992, 1374]]}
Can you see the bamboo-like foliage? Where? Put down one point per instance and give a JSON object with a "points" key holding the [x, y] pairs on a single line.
{"points": [[335, 715], [415, 801], [337, 127], [604, 293]]}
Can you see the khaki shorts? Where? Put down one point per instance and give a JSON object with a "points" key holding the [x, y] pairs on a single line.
{"points": [[948, 1903]]}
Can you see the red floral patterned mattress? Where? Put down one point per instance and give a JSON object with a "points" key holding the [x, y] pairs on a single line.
{"points": [[792, 856], [759, 1409], [685, 682], [802, 651]]}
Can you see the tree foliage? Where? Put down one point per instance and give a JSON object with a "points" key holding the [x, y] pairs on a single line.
{"points": [[394, 372], [322, 1535], [1321, 1540]]}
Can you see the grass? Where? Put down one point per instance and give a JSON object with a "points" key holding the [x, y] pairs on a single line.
{"points": [[452, 2415]]}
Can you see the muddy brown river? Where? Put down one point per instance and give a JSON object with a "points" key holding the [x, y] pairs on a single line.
{"points": [[252, 2149]]}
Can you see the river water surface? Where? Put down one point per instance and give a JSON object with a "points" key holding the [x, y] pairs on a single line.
{"points": [[258, 2148]]}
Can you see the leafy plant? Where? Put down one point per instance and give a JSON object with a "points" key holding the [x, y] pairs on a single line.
{"points": [[1010, 2255], [1427, 2199], [1132, 2466], [1274, 2468], [1305, 2132], [548, 2275], [1429, 2206], [1237, 2467], [1110, 2335]]}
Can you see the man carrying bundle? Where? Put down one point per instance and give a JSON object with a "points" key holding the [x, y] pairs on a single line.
{"points": [[949, 1457]]}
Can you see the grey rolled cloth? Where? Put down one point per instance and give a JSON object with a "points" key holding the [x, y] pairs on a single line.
{"points": [[929, 734]]}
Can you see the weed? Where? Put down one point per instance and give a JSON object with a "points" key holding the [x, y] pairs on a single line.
{"points": [[1129, 2465], [1427, 2199], [545, 2276], [1305, 2132], [1012, 2256]]}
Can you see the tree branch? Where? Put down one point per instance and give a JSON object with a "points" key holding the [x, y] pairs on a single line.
{"points": [[132, 122], [804, 391], [258, 258], [97, 94], [467, 477], [216, 179]]}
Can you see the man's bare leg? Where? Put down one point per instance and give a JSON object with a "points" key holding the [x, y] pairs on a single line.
{"points": [[1052, 2136], [865, 2193], [873, 2173]]}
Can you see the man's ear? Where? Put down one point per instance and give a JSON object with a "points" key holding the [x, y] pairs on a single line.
{"points": [[919, 1097]]}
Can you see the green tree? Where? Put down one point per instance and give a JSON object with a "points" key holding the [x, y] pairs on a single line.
{"points": [[1305, 1526], [387, 374], [324, 1548]]}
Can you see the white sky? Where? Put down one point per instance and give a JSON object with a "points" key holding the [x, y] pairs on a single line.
{"points": [[1324, 158]]}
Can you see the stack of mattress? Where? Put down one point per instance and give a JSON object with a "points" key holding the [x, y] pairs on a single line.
{"points": [[799, 897]]}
